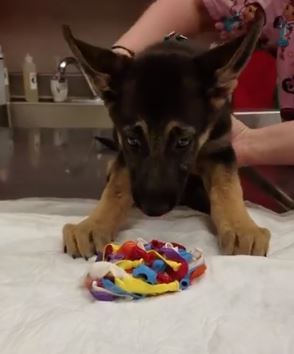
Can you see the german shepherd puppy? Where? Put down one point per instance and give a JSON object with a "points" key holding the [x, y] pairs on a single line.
{"points": [[171, 110]]}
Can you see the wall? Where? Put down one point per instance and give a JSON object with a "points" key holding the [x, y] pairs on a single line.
{"points": [[34, 26]]}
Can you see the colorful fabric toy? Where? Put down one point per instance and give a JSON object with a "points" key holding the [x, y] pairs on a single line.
{"points": [[137, 269]]}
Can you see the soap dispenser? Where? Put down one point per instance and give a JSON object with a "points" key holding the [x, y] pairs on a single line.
{"points": [[58, 84], [30, 79], [59, 88]]}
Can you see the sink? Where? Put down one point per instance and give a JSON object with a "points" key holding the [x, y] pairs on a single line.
{"points": [[258, 119], [95, 101], [80, 112], [74, 113]]}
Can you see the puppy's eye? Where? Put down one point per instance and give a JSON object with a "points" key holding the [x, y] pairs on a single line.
{"points": [[183, 142], [133, 142]]}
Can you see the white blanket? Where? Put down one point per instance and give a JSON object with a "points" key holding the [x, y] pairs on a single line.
{"points": [[241, 305]]}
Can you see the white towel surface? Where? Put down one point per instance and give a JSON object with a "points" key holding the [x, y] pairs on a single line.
{"points": [[241, 305]]}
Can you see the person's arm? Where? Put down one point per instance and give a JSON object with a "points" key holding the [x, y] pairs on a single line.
{"points": [[271, 145], [187, 17]]}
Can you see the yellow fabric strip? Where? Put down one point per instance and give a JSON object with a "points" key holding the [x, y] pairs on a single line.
{"points": [[138, 286]]}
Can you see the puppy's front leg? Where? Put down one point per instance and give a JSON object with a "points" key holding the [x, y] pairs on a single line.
{"points": [[237, 232], [100, 228]]}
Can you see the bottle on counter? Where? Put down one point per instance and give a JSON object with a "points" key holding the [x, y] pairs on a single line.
{"points": [[6, 83], [30, 80], [3, 97]]}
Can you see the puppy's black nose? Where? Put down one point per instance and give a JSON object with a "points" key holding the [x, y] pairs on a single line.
{"points": [[157, 209]]}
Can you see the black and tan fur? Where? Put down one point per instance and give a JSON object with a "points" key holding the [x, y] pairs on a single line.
{"points": [[171, 111]]}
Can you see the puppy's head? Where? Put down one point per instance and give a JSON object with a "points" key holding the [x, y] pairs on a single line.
{"points": [[167, 104]]}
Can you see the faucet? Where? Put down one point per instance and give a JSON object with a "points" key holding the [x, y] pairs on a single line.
{"points": [[60, 74]]}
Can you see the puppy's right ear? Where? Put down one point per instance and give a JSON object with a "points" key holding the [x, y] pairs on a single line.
{"points": [[105, 67]]}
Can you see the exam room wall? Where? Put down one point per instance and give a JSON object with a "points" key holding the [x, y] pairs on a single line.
{"points": [[34, 26]]}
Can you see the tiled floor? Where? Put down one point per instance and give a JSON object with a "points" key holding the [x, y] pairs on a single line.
{"points": [[69, 164]]}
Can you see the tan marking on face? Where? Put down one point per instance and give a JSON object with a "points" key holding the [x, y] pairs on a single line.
{"points": [[120, 140], [204, 136], [201, 140], [143, 125], [176, 124], [171, 125]]}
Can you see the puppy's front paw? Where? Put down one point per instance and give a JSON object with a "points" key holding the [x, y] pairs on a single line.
{"points": [[85, 238], [245, 239]]}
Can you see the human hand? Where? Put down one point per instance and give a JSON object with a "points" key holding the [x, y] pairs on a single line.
{"points": [[240, 141]]}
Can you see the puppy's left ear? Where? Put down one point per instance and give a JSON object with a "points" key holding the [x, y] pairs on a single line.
{"points": [[103, 66], [223, 65]]}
